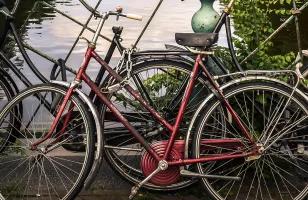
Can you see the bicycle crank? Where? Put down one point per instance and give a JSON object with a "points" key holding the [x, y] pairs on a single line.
{"points": [[162, 166], [159, 173], [149, 164]]}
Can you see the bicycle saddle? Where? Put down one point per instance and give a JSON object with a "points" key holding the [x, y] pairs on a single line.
{"points": [[196, 39]]}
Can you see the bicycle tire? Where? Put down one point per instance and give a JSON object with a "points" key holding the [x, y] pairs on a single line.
{"points": [[56, 173], [270, 175]]}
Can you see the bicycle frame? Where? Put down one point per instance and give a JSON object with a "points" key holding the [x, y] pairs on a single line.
{"points": [[172, 128], [199, 65], [82, 76]]}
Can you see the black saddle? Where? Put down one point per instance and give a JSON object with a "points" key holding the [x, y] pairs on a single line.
{"points": [[204, 40]]}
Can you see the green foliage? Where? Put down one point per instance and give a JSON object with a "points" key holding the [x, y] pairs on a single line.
{"points": [[161, 88], [252, 20]]}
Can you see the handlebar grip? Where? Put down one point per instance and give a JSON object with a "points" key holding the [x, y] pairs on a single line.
{"points": [[134, 16]]}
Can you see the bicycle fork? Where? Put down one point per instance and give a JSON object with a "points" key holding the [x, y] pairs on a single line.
{"points": [[58, 116]]}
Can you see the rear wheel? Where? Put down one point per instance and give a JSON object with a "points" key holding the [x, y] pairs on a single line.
{"points": [[48, 171], [276, 118], [162, 84]]}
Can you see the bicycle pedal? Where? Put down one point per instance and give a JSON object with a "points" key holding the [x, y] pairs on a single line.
{"points": [[133, 192]]}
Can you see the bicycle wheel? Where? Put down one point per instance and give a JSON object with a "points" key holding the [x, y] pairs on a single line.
{"points": [[6, 94], [161, 83], [276, 119], [47, 171]]}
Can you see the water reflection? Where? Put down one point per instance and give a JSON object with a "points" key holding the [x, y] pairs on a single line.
{"points": [[54, 34]]}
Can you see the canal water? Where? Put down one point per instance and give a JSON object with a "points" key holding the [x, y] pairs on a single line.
{"points": [[54, 34]]}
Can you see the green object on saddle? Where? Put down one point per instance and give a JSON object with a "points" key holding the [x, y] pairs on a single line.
{"points": [[205, 19]]}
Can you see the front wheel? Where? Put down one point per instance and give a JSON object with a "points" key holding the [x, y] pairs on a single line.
{"points": [[48, 171], [277, 120]]}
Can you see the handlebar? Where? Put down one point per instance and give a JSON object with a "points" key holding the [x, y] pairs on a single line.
{"points": [[118, 11], [129, 16]]}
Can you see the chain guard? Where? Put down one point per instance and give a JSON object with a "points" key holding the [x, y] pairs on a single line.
{"points": [[149, 164]]}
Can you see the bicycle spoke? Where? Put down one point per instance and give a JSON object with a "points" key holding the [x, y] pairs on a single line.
{"points": [[277, 120], [47, 168]]}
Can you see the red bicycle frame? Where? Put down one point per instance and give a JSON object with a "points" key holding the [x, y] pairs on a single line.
{"points": [[82, 76]]}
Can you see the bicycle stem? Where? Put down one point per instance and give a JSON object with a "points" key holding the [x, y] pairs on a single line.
{"points": [[99, 29]]}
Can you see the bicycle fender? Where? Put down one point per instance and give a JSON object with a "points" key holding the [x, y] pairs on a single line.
{"points": [[178, 58], [224, 87], [99, 134]]}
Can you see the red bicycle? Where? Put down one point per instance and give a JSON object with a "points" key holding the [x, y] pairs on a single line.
{"points": [[245, 141]]}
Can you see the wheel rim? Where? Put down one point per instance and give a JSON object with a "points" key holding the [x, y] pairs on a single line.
{"points": [[274, 175], [27, 173]]}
